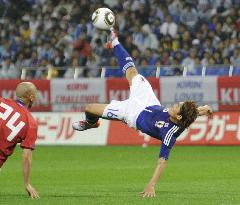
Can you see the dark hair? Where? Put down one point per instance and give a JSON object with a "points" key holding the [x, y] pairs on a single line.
{"points": [[189, 113]]}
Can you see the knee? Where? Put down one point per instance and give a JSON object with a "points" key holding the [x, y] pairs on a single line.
{"points": [[130, 74]]}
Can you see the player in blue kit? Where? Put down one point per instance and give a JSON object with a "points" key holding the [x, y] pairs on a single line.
{"points": [[144, 112]]}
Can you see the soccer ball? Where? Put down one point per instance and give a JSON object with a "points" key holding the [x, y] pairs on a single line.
{"points": [[103, 18]]}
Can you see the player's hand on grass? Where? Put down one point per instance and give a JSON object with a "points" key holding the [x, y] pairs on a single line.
{"points": [[32, 191], [149, 191]]}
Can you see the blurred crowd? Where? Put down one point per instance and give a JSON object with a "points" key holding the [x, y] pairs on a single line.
{"points": [[58, 33]]}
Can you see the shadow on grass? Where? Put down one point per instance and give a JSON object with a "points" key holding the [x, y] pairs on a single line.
{"points": [[2, 195], [106, 193]]}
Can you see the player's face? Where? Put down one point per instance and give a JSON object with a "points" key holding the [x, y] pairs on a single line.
{"points": [[175, 110], [32, 98], [31, 101]]}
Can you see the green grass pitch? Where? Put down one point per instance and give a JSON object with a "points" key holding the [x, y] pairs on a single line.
{"points": [[115, 175]]}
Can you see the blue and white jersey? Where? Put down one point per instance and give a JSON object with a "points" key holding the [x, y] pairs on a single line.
{"points": [[154, 121], [144, 112]]}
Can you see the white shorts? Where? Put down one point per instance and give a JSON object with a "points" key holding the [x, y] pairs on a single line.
{"points": [[141, 96]]}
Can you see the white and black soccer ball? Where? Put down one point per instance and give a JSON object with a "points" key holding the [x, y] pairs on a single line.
{"points": [[103, 18]]}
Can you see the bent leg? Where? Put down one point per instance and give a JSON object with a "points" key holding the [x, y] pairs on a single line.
{"points": [[116, 110], [93, 112], [113, 111], [95, 109]]}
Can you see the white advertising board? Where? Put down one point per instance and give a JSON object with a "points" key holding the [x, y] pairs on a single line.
{"points": [[56, 129], [73, 95], [198, 89]]}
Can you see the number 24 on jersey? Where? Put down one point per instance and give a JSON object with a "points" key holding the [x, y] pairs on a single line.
{"points": [[15, 129]]}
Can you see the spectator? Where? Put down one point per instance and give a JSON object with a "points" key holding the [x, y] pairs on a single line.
{"points": [[176, 43], [19, 62], [186, 38], [92, 66], [204, 30], [226, 61], [149, 56], [206, 57], [196, 45], [149, 39], [129, 45], [65, 41], [42, 69], [235, 59], [6, 49], [72, 68], [143, 66], [214, 38], [156, 27], [137, 36], [229, 28], [175, 7], [143, 12], [226, 50], [207, 46], [185, 50], [83, 47], [25, 31], [8, 70], [58, 61], [212, 62], [179, 57], [45, 51], [136, 56], [217, 57], [177, 70], [34, 24], [205, 9], [189, 16], [165, 58], [169, 27], [191, 61]]}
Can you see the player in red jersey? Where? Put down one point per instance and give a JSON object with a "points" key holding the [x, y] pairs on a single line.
{"points": [[18, 126]]}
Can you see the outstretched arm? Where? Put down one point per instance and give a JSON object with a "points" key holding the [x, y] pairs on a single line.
{"points": [[205, 110], [149, 190], [27, 161]]}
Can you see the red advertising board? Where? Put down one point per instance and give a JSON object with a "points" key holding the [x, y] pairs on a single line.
{"points": [[8, 87], [118, 88], [222, 129], [229, 93]]}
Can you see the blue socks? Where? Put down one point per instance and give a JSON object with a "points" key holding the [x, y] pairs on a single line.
{"points": [[125, 61], [91, 118]]}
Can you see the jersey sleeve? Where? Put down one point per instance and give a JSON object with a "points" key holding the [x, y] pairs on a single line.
{"points": [[31, 136], [165, 149]]}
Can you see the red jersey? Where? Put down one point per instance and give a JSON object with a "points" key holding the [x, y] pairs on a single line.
{"points": [[16, 126]]}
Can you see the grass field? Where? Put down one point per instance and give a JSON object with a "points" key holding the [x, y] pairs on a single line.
{"points": [[115, 175]]}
